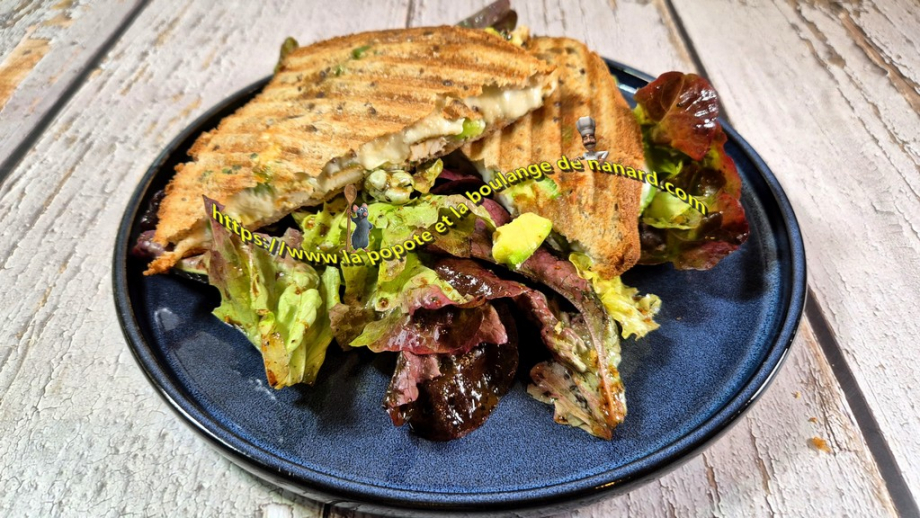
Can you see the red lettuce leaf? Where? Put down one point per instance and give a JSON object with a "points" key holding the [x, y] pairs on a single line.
{"points": [[448, 330], [684, 108], [582, 380], [447, 396], [411, 371], [678, 117]]}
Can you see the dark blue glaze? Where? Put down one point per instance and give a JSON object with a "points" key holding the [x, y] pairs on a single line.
{"points": [[723, 335]]}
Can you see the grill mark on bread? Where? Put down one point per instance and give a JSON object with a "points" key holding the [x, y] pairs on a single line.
{"points": [[599, 211], [303, 118]]}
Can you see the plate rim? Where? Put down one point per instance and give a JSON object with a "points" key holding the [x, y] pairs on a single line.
{"points": [[387, 500]]}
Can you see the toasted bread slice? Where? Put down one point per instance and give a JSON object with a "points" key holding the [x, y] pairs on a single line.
{"points": [[339, 108], [596, 212]]}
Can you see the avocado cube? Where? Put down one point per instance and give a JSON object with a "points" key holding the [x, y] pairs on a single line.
{"points": [[515, 242]]}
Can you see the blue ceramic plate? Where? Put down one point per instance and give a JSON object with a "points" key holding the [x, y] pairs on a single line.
{"points": [[724, 334]]}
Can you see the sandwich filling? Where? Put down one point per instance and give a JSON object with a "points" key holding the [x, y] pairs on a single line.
{"points": [[423, 139]]}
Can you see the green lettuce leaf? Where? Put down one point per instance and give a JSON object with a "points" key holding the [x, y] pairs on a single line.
{"points": [[634, 313], [324, 230], [378, 297], [280, 304]]}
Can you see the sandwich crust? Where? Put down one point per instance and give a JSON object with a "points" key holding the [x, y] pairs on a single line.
{"points": [[326, 101], [596, 212]]}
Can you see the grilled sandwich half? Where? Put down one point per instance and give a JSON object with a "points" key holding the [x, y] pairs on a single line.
{"points": [[596, 212], [339, 108]]}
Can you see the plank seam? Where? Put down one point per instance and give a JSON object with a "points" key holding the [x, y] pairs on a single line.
{"points": [[691, 50], [897, 486], [410, 13], [23, 148]]}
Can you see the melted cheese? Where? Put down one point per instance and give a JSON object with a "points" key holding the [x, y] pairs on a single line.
{"points": [[249, 206], [394, 149], [432, 127], [494, 104]]}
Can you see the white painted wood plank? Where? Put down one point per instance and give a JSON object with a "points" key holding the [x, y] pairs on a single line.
{"points": [[82, 432], [828, 94], [43, 47], [85, 431], [609, 31]]}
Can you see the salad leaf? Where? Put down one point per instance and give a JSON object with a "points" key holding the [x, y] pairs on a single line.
{"points": [[685, 145], [279, 303], [324, 230], [398, 295], [635, 314], [683, 108], [352, 313], [582, 380], [582, 383], [450, 330], [411, 371], [458, 396], [473, 279], [425, 175], [399, 222], [381, 299], [228, 271]]}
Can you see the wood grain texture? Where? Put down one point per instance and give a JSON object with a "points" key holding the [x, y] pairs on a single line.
{"points": [[835, 115], [83, 430], [43, 47]]}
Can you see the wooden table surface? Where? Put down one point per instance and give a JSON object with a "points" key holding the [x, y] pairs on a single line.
{"points": [[828, 93]]}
